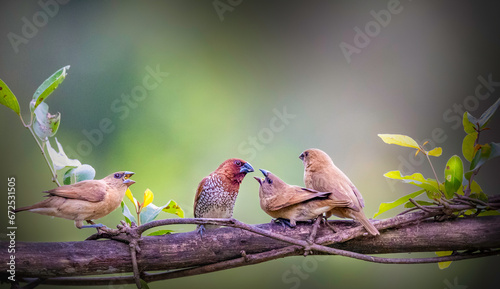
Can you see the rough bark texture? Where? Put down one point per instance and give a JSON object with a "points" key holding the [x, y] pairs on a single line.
{"points": [[184, 250]]}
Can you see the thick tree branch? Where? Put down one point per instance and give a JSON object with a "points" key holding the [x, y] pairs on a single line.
{"points": [[232, 247], [187, 254]]}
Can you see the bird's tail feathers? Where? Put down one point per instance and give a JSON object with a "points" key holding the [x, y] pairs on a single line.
{"points": [[39, 205], [23, 209], [366, 223]]}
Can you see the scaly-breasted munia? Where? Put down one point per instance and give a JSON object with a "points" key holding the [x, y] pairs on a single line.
{"points": [[216, 193], [286, 202], [322, 175], [85, 200]]}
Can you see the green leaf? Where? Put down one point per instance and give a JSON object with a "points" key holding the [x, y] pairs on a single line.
{"points": [[59, 159], [467, 176], [422, 203], [384, 207], [126, 212], [399, 139], [416, 179], [433, 195], [484, 154], [161, 232], [46, 124], [144, 285], [469, 123], [173, 208], [489, 213], [444, 265], [81, 173], [477, 193], [475, 188], [149, 213], [8, 98], [486, 116], [48, 86], [435, 152], [468, 146], [469, 213], [453, 176]]}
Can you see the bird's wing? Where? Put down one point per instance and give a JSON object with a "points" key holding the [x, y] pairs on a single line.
{"points": [[198, 192], [296, 196], [342, 200], [358, 195], [91, 191]]}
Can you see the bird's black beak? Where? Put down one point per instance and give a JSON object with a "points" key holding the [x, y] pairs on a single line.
{"points": [[126, 178], [301, 157], [264, 172], [246, 168], [259, 180]]}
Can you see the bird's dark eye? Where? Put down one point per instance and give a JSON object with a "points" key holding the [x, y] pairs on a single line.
{"points": [[306, 153], [238, 163], [269, 181], [117, 176]]}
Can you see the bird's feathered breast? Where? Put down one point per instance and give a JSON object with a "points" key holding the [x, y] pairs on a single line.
{"points": [[215, 197], [216, 183]]}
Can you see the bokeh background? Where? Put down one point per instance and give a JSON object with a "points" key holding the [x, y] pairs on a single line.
{"points": [[229, 71]]}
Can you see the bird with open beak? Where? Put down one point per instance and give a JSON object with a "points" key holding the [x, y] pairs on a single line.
{"points": [[84, 201], [290, 204], [216, 193]]}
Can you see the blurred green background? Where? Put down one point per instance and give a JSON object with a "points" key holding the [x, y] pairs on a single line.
{"points": [[228, 73]]}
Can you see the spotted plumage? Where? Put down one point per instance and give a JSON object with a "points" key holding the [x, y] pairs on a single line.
{"points": [[216, 193], [215, 199]]}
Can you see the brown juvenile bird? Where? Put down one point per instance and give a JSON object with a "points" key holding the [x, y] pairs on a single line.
{"points": [[216, 193], [85, 200], [285, 202], [322, 175]]}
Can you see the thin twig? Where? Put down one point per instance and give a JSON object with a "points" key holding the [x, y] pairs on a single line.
{"points": [[54, 175], [434, 171], [468, 189], [407, 211], [419, 206], [477, 201], [135, 267]]}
